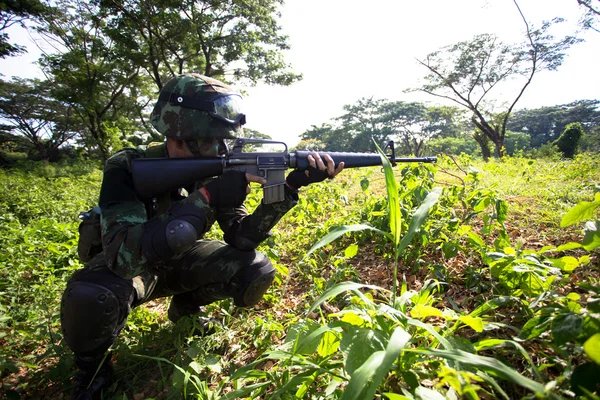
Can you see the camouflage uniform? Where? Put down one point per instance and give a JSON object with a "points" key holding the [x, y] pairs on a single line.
{"points": [[154, 248], [197, 277]]}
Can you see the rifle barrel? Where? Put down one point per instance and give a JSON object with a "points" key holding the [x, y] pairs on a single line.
{"points": [[354, 160], [153, 176]]}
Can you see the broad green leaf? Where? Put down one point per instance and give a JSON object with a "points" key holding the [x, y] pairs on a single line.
{"points": [[307, 345], [592, 348], [351, 318], [534, 327], [339, 231], [573, 296], [364, 184], [490, 305], [581, 212], [340, 288], [358, 344], [329, 344], [394, 396], [591, 238], [392, 192], [566, 328], [422, 311], [213, 364], [567, 246], [501, 210], [474, 323], [361, 376], [565, 264], [351, 251], [423, 393], [475, 239], [585, 377], [419, 217], [375, 368]]}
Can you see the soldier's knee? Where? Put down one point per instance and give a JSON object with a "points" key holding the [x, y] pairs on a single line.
{"points": [[253, 281], [89, 316]]}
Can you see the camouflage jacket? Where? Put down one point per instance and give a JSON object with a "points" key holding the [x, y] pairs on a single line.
{"points": [[123, 215]]}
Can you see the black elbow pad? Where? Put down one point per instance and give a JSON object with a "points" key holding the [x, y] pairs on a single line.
{"points": [[164, 239]]}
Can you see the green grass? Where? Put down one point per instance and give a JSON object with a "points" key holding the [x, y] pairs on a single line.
{"points": [[462, 259]]}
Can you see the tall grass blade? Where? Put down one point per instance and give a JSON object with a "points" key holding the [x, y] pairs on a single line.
{"points": [[339, 231], [337, 289], [245, 391], [419, 217], [392, 192], [490, 365]]}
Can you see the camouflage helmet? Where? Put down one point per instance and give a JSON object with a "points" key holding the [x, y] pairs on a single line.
{"points": [[194, 106]]}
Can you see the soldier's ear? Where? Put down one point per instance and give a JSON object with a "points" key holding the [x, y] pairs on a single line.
{"points": [[175, 147]]}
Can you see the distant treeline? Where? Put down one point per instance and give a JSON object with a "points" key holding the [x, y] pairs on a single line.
{"points": [[420, 129]]}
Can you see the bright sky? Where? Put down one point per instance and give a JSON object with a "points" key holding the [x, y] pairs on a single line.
{"points": [[348, 49]]}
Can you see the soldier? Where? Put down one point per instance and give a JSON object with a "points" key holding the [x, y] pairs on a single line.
{"points": [[154, 248]]}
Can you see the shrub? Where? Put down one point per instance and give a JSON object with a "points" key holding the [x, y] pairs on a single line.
{"points": [[568, 141], [450, 145]]}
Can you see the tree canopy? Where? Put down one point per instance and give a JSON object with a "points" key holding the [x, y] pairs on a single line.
{"points": [[109, 58], [16, 12], [545, 124], [467, 72], [414, 124]]}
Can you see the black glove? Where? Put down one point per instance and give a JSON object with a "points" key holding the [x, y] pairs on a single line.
{"points": [[296, 179], [228, 190]]}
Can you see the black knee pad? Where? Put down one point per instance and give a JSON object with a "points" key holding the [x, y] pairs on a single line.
{"points": [[253, 282], [89, 316]]}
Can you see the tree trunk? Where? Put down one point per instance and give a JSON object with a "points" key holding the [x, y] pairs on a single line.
{"points": [[492, 134], [483, 141]]}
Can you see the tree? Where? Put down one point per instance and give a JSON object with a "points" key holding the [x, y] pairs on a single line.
{"points": [[16, 12], [42, 122], [362, 123], [329, 137], [591, 14], [237, 38], [310, 145], [467, 72], [568, 142], [415, 123], [545, 124], [90, 72]]}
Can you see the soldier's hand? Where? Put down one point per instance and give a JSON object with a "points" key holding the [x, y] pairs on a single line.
{"points": [[230, 189], [319, 170]]}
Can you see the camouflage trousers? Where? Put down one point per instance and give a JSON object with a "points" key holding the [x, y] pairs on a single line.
{"points": [[209, 271]]}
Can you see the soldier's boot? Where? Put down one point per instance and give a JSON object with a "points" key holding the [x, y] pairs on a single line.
{"points": [[93, 378]]}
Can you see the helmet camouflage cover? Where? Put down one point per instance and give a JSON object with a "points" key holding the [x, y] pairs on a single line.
{"points": [[176, 121]]}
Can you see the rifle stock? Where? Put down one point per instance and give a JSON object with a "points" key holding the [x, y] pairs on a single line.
{"points": [[154, 176]]}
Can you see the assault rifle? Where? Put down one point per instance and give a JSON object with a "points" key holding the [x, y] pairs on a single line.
{"points": [[154, 176]]}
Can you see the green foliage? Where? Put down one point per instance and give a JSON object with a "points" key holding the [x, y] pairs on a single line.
{"points": [[451, 145], [43, 123], [568, 141], [491, 302], [415, 124], [16, 12], [466, 72], [545, 124]]}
